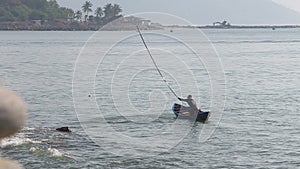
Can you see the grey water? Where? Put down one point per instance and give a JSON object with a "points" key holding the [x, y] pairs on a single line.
{"points": [[259, 127]]}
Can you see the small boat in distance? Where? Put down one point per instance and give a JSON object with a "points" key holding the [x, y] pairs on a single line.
{"points": [[183, 112]]}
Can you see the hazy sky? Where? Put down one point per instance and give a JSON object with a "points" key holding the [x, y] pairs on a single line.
{"points": [[204, 12], [292, 4]]}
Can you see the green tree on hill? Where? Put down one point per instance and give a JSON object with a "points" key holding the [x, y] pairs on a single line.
{"points": [[37, 15], [13, 10], [117, 10], [23, 10], [27, 10], [112, 12], [86, 7], [36, 4], [53, 4], [108, 8], [78, 15], [99, 12]]}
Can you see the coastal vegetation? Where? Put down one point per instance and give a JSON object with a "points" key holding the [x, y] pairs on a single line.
{"points": [[102, 15], [24, 10], [48, 15]]}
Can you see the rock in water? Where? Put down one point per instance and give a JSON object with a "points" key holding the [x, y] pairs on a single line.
{"points": [[63, 129], [12, 113]]}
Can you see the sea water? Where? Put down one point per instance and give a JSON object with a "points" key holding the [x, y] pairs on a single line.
{"points": [[259, 127]]}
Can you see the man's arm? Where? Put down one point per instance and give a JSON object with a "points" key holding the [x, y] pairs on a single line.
{"points": [[185, 100]]}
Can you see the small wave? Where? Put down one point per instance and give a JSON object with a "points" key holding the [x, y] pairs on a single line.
{"points": [[34, 150], [54, 152], [16, 141], [28, 129]]}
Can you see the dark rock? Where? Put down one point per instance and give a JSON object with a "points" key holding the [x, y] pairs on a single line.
{"points": [[63, 129]]}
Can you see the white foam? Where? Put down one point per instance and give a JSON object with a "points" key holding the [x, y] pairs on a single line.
{"points": [[16, 140], [54, 152], [28, 129], [33, 149]]}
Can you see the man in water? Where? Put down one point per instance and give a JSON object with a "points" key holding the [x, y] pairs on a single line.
{"points": [[191, 102]]}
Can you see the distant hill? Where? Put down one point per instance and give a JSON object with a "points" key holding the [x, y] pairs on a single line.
{"points": [[23, 10], [209, 11]]}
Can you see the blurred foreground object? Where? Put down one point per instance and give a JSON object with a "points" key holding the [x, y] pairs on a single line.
{"points": [[9, 164], [12, 113], [12, 119]]}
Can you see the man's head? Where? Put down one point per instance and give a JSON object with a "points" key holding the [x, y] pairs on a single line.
{"points": [[189, 96]]}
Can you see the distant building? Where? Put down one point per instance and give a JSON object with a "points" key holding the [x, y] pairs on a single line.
{"points": [[145, 22], [71, 17], [37, 22], [223, 24], [137, 21]]}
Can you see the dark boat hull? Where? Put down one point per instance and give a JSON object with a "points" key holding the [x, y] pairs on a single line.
{"points": [[184, 112]]}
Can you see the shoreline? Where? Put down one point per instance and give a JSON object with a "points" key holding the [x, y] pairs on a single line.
{"points": [[240, 27], [120, 26]]}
